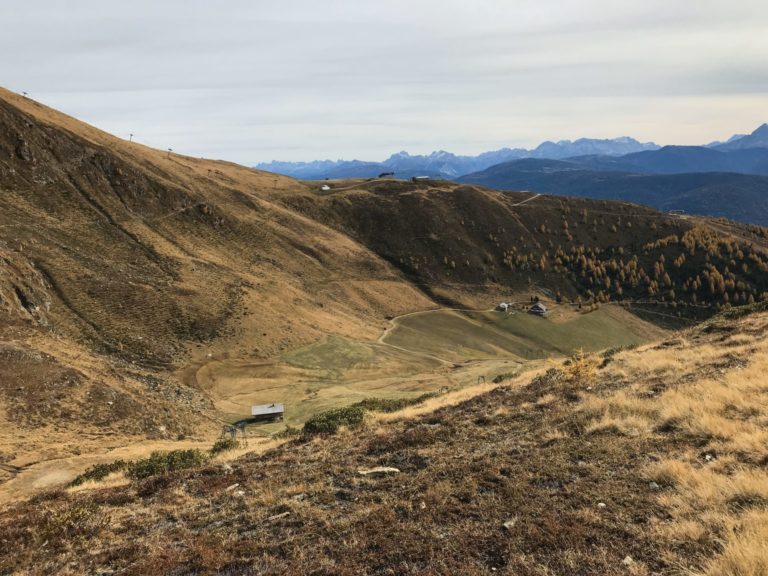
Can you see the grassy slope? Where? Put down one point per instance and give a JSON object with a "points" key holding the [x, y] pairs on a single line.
{"points": [[120, 265], [460, 335], [649, 461], [422, 352]]}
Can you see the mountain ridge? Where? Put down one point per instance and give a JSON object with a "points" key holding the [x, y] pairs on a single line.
{"points": [[441, 163], [739, 197], [757, 139]]}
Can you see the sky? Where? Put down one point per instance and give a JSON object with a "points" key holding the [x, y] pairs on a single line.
{"points": [[254, 80]]}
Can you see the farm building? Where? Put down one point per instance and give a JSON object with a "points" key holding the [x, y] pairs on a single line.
{"points": [[267, 412], [538, 309], [502, 307]]}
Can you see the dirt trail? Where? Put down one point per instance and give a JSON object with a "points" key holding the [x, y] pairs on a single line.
{"points": [[527, 200]]}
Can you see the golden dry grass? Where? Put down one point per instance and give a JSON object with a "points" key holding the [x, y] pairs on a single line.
{"points": [[712, 399], [456, 397]]}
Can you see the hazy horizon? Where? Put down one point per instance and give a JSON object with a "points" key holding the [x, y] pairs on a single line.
{"points": [[255, 82]]}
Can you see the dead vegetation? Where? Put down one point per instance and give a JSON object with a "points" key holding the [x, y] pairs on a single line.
{"points": [[651, 463]]}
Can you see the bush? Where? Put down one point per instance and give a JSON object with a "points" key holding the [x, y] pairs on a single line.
{"points": [[580, 368], [164, 462], [609, 353], [223, 445], [99, 472], [289, 432], [552, 377], [393, 404], [72, 522], [330, 421]]}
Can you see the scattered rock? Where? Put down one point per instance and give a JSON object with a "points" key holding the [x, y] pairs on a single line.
{"points": [[509, 524], [278, 516], [239, 493], [378, 471], [601, 505], [654, 486], [23, 152], [230, 488], [628, 561]]}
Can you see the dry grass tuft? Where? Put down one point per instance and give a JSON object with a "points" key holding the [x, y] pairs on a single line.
{"points": [[746, 549]]}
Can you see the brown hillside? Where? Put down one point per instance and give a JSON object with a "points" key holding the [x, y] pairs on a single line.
{"points": [[119, 263], [451, 238], [640, 462], [124, 270]]}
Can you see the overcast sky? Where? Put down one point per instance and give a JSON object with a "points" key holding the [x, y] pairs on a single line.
{"points": [[255, 80]]}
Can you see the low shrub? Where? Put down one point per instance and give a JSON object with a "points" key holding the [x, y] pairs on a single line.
{"points": [[393, 404], [72, 522], [552, 377], [164, 462], [609, 353], [330, 421], [289, 432], [224, 445], [99, 472], [580, 368], [742, 311]]}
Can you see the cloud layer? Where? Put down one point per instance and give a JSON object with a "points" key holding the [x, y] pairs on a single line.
{"points": [[254, 80]]}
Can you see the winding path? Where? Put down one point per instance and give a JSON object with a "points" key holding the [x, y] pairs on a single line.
{"points": [[526, 200]]}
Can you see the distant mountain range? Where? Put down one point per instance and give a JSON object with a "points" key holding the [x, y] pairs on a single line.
{"points": [[758, 139], [682, 160], [722, 179], [442, 164], [743, 154]]}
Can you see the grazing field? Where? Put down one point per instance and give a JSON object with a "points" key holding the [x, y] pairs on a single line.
{"points": [[330, 373], [457, 336], [421, 352]]}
